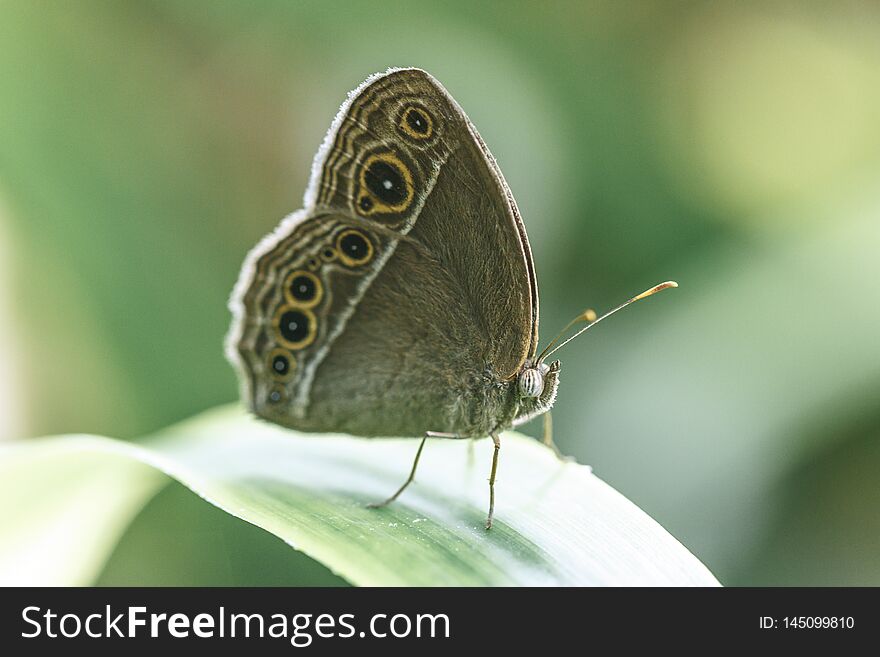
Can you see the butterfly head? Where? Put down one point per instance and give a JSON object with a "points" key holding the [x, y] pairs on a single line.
{"points": [[533, 379], [537, 383]]}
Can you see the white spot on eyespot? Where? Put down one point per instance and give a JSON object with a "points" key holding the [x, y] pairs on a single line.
{"points": [[387, 184]]}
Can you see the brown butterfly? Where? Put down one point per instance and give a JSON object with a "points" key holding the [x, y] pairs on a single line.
{"points": [[402, 299]]}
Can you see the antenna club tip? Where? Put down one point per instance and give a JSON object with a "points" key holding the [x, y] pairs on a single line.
{"points": [[662, 286], [656, 289], [589, 316]]}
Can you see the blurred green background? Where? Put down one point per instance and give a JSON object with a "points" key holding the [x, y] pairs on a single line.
{"points": [[734, 147]]}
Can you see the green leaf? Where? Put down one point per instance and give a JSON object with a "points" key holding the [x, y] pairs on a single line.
{"points": [[65, 502], [556, 523]]}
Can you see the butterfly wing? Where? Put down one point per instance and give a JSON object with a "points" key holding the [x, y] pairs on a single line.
{"points": [[403, 297]]}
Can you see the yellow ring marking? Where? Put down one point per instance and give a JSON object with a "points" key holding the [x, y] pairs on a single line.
{"points": [[279, 351], [407, 128], [352, 262], [292, 300], [306, 341], [377, 205]]}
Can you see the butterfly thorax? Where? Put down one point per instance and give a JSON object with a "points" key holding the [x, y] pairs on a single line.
{"points": [[493, 404]]}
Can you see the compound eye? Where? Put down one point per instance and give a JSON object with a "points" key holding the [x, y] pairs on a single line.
{"points": [[531, 383]]}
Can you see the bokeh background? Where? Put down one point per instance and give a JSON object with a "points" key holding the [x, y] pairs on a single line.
{"points": [[735, 147]]}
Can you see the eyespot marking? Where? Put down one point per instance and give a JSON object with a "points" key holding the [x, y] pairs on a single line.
{"points": [[417, 123], [386, 181], [354, 248], [276, 395], [303, 289], [386, 185], [295, 327], [281, 364]]}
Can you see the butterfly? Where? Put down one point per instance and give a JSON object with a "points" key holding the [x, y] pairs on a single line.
{"points": [[402, 299]]}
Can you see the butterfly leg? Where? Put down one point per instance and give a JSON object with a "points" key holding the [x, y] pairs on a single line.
{"points": [[497, 440], [415, 465], [548, 438]]}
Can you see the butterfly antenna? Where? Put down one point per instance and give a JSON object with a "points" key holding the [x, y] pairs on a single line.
{"points": [[590, 316]]}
